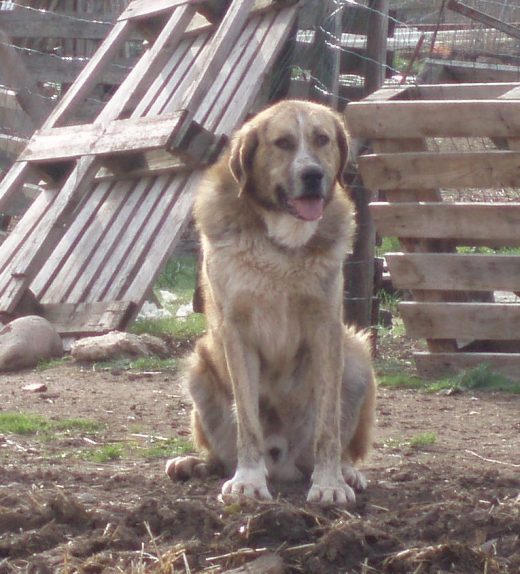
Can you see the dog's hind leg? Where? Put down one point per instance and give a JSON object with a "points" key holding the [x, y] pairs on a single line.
{"points": [[358, 407], [213, 423]]}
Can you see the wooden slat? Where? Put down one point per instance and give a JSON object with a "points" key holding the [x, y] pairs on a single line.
{"points": [[88, 318], [448, 170], [118, 136], [23, 252], [430, 118], [454, 271], [476, 91], [215, 54], [139, 9], [465, 321], [496, 223], [436, 365]]}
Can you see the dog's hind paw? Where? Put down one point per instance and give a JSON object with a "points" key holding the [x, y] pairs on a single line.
{"points": [[338, 494], [186, 467], [354, 478]]}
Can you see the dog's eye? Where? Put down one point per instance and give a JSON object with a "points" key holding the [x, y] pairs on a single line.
{"points": [[284, 143], [322, 140]]}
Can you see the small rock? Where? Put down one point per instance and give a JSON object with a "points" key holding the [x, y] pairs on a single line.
{"points": [[27, 340], [35, 388], [117, 344]]}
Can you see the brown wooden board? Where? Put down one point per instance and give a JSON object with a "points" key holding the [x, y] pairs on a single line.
{"points": [[432, 118], [454, 271], [465, 321], [464, 223], [446, 170]]}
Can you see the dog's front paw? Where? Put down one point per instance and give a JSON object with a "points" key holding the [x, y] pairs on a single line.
{"points": [[353, 477], [246, 483], [186, 467], [338, 492]]}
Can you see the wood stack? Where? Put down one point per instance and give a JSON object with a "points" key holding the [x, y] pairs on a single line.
{"points": [[453, 289], [120, 190]]}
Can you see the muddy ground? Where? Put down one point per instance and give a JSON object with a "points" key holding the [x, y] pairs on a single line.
{"points": [[444, 492]]}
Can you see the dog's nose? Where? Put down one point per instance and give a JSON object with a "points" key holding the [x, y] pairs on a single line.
{"points": [[312, 176]]}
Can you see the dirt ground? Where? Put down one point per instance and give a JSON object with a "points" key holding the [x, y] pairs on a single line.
{"points": [[447, 503]]}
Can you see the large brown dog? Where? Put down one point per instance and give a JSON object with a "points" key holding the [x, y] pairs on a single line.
{"points": [[281, 389]]}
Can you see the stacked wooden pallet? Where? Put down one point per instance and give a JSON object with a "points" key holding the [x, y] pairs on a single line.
{"points": [[120, 190], [462, 328]]}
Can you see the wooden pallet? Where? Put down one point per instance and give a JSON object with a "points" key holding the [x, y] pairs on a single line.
{"points": [[462, 329], [120, 190]]}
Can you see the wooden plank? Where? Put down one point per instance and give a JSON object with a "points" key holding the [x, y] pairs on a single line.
{"points": [[88, 318], [37, 24], [215, 54], [474, 91], [436, 365], [430, 118], [89, 75], [447, 170], [454, 271], [468, 71], [486, 19], [465, 321], [140, 9], [118, 136], [496, 223]]}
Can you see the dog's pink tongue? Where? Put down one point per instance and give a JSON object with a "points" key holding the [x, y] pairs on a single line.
{"points": [[308, 208]]}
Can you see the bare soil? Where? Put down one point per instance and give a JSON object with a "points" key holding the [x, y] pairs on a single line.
{"points": [[452, 505]]}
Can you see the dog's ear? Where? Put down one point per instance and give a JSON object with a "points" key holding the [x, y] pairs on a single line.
{"points": [[243, 147], [343, 147]]}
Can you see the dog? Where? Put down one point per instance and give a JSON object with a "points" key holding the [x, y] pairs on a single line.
{"points": [[281, 389]]}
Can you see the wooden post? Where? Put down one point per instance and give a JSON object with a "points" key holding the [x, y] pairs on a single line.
{"points": [[360, 268]]}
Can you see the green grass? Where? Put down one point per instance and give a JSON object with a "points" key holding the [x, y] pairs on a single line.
{"points": [[166, 448], [46, 364], [106, 453], [423, 440], [481, 378], [180, 328], [31, 424], [179, 278], [152, 450]]}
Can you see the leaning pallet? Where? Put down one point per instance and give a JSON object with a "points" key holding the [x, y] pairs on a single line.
{"points": [[442, 159], [120, 190]]}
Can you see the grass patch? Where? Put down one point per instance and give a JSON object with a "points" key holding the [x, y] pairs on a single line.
{"points": [[419, 441], [481, 378], [175, 288], [152, 450], [30, 424], [166, 448], [180, 328], [46, 364], [106, 453], [423, 440], [142, 364], [400, 381]]}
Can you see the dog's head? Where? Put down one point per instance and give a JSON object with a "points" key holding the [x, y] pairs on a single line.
{"points": [[289, 157]]}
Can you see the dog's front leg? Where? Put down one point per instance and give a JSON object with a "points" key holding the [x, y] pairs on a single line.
{"points": [[250, 478], [328, 485]]}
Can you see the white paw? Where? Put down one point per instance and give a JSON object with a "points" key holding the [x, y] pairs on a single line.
{"points": [[249, 483], [353, 477], [186, 467], [337, 492]]}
